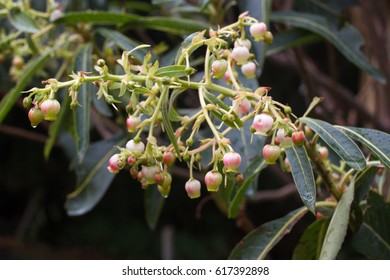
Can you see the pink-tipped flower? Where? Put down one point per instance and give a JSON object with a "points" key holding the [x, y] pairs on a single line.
{"points": [[232, 161], [132, 123], [219, 67], [50, 109], [299, 138], [193, 188], [213, 180], [258, 30], [241, 106], [271, 153], [240, 54], [168, 158], [35, 116], [249, 69], [262, 123], [114, 164], [148, 173], [135, 147], [243, 42], [282, 139]]}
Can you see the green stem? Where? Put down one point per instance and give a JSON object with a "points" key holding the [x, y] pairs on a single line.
{"points": [[206, 115]]}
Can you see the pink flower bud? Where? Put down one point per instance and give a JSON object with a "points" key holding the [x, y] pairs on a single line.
{"points": [[193, 188], [168, 158], [271, 153], [298, 137], [148, 173], [50, 109], [262, 123], [35, 116], [213, 180], [282, 139], [324, 152], [219, 67], [240, 54], [258, 30], [249, 69], [232, 161], [241, 106], [114, 164], [135, 147], [132, 123], [243, 42]]}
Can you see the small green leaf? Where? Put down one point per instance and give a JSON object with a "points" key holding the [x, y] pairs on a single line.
{"points": [[302, 173], [338, 142], [258, 243], [123, 42], [373, 236], [154, 204], [254, 168], [376, 141], [338, 226], [167, 122], [82, 113], [347, 39], [174, 71], [310, 243], [93, 179], [32, 67], [22, 21]]}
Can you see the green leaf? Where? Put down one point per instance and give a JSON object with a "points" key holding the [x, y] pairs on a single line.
{"points": [[310, 243], [154, 203], [93, 179], [347, 39], [32, 67], [260, 10], [363, 182], [174, 71], [123, 42], [250, 174], [373, 237], [291, 38], [22, 21], [338, 226], [82, 113], [338, 142], [258, 243], [302, 173], [376, 141], [178, 26], [167, 123]]}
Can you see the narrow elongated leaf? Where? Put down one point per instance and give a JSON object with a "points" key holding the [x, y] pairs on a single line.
{"points": [[123, 42], [291, 38], [373, 236], [82, 113], [259, 9], [167, 123], [93, 179], [172, 25], [258, 243], [22, 21], [174, 71], [347, 39], [302, 173], [250, 174], [376, 141], [310, 243], [31, 68], [338, 226], [154, 204], [338, 142]]}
